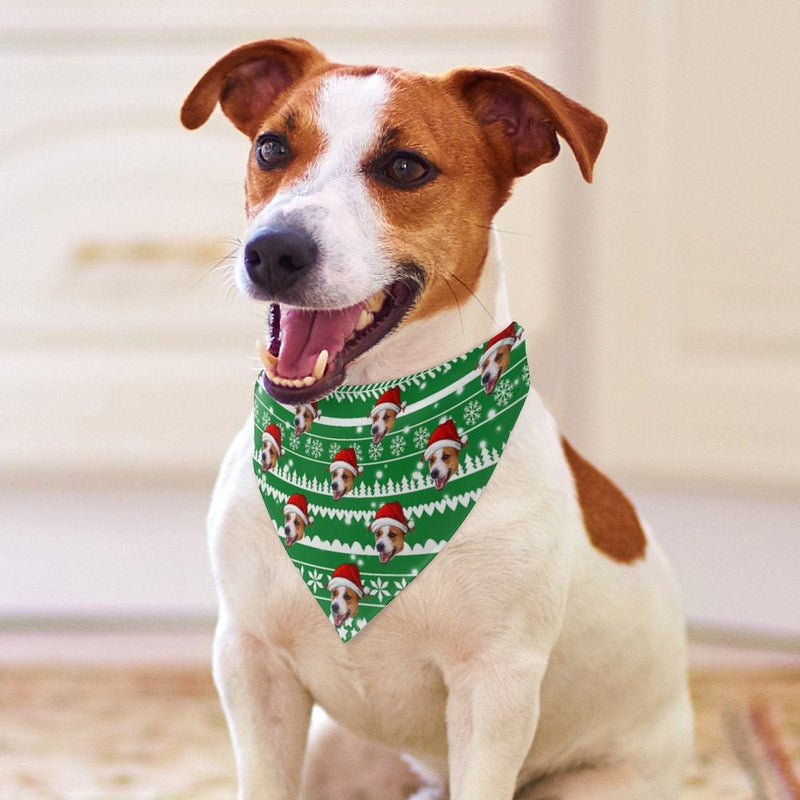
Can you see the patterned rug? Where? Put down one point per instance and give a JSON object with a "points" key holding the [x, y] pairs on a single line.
{"points": [[152, 733]]}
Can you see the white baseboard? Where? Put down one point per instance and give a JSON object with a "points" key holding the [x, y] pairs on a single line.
{"points": [[140, 554]]}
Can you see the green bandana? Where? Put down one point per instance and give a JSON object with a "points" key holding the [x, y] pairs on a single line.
{"points": [[368, 485]]}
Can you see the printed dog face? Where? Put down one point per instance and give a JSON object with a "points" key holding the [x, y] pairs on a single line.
{"points": [[269, 455], [342, 481], [294, 527], [383, 420], [303, 420], [389, 541], [442, 465], [344, 605], [356, 178], [493, 365]]}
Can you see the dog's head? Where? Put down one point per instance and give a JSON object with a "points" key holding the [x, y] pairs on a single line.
{"points": [[269, 457], [344, 604], [303, 419], [442, 465], [370, 192], [389, 541], [493, 365], [382, 420], [342, 481], [294, 527]]}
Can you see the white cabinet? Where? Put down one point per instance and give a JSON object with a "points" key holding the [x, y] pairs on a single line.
{"points": [[697, 357]]}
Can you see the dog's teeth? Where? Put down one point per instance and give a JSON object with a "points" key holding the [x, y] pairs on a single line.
{"points": [[376, 301], [267, 359], [364, 320], [319, 367], [309, 380]]}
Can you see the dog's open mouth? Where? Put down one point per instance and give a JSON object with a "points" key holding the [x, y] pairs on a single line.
{"points": [[340, 619], [386, 555], [310, 349], [441, 480]]}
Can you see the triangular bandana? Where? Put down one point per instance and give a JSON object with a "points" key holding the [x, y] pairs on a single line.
{"points": [[366, 486]]}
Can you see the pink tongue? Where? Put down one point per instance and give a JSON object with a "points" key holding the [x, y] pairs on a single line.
{"points": [[304, 334]]}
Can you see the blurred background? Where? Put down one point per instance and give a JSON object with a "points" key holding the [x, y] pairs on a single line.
{"points": [[662, 302]]}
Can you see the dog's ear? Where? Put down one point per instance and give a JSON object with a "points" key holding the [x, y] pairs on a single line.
{"points": [[521, 116], [248, 81]]}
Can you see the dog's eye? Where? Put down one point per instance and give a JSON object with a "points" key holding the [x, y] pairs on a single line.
{"points": [[272, 151], [405, 170]]}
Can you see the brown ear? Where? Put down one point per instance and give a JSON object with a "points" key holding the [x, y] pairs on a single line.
{"points": [[248, 81], [522, 116]]}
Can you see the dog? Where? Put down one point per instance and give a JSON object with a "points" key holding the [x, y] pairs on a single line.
{"points": [[442, 453], [344, 470], [296, 519], [390, 528], [346, 591], [558, 672], [384, 414], [271, 449], [494, 361], [304, 417]]}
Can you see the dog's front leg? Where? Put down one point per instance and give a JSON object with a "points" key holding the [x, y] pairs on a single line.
{"points": [[268, 714], [492, 713]]}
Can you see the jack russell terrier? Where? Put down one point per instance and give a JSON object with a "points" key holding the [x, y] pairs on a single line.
{"points": [[544, 660]]}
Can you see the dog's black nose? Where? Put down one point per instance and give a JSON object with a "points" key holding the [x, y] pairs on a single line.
{"points": [[485, 378], [276, 259], [375, 429], [380, 547], [435, 473]]}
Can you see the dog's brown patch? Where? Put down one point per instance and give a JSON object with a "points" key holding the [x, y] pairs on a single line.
{"points": [[609, 517]]}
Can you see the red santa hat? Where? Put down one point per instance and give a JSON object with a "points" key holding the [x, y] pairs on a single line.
{"points": [[348, 576], [346, 459], [445, 435], [508, 336], [299, 505], [312, 407], [391, 514], [389, 400], [272, 434]]}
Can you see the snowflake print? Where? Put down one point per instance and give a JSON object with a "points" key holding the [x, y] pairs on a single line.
{"points": [[401, 584], [314, 447], [376, 451], [359, 452], [398, 445], [380, 587], [526, 374], [421, 436], [503, 393], [333, 450], [315, 578], [472, 413]]}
